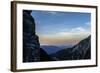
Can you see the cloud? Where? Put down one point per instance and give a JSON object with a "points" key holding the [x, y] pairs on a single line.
{"points": [[71, 36], [78, 29], [68, 34], [63, 38], [52, 12], [88, 23]]}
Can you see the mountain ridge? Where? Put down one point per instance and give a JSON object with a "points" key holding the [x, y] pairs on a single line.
{"points": [[50, 49], [82, 50]]}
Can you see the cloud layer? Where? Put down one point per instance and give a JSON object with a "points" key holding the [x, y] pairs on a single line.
{"points": [[71, 37]]}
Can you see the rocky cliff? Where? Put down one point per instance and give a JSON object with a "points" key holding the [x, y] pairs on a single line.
{"points": [[30, 39], [31, 46], [82, 50]]}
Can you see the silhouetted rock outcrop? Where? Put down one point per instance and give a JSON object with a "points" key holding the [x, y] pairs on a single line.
{"points": [[31, 45], [82, 50], [30, 39]]}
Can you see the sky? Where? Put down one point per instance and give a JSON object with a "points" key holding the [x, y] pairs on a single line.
{"points": [[61, 28]]}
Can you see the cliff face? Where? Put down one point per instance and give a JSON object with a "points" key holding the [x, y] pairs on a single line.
{"points": [[31, 46], [30, 39], [82, 50]]}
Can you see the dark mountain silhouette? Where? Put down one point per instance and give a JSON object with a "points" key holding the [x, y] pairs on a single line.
{"points": [[44, 56], [30, 39], [50, 49], [31, 46], [82, 50]]}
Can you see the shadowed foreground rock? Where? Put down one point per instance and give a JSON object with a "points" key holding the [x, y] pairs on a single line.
{"points": [[44, 56], [31, 45], [30, 39]]}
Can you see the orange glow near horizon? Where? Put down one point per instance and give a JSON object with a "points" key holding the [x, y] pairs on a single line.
{"points": [[62, 39]]}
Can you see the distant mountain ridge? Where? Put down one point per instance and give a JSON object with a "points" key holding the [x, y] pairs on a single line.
{"points": [[50, 49]]}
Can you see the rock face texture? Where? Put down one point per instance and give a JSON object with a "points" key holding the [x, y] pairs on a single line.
{"points": [[31, 44], [82, 50]]}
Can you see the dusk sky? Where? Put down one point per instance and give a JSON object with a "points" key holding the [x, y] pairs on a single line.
{"points": [[61, 28]]}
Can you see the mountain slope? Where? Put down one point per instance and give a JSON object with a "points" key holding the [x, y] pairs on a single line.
{"points": [[82, 50]]}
